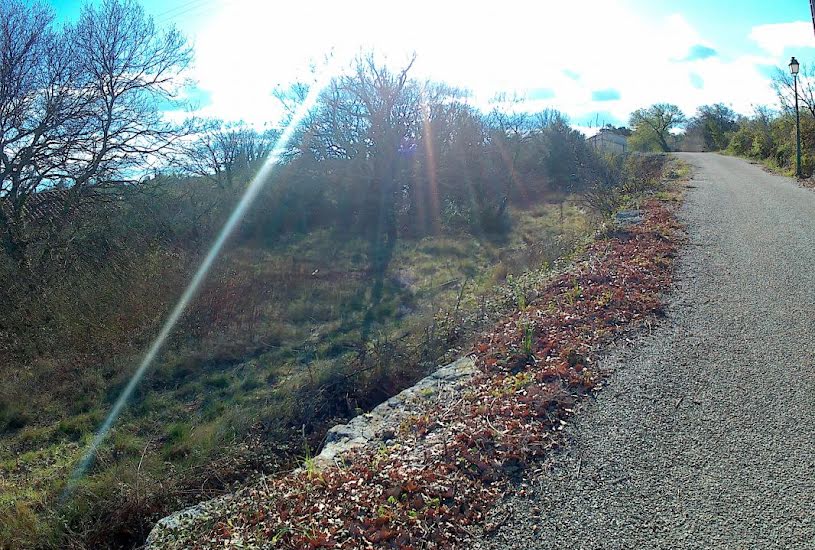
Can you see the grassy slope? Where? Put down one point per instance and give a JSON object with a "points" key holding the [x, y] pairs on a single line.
{"points": [[215, 408], [427, 483]]}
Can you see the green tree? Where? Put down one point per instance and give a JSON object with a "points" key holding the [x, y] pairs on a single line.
{"points": [[652, 126], [711, 127]]}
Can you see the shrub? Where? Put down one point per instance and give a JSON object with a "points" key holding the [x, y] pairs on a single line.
{"points": [[12, 419], [619, 176], [741, 141]]}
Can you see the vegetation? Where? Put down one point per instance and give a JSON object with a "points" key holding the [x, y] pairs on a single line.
{"points": [[652, 127], [436, 481], [78, 113], [400, 221], [711, 128], [767, 135]]}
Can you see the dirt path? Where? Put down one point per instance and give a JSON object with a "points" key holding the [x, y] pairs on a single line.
{"points": [[705, 437]]}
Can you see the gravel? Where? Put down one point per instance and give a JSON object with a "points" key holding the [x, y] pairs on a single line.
{"points": [[705, 435]]}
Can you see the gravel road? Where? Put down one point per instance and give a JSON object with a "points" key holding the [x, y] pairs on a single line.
{"points": [[705, 436]]}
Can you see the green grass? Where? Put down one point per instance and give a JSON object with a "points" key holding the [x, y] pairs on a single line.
{"points": [[768, 163], [276, 327]]}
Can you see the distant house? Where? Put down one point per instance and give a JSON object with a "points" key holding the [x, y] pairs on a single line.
{"points": [[609, 141]]}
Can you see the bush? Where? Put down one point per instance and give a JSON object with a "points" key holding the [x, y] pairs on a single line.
{"points": [[770, 137], [741, 141], [495, 220], [12, 419], [619, 176]]}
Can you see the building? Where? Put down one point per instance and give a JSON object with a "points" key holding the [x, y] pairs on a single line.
{"points": [[609, 141]]}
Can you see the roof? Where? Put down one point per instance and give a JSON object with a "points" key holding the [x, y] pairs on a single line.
{"points": [[41, 205], [605, 135]]}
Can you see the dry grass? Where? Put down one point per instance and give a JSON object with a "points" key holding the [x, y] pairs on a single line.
{"points": [[272, 351]]}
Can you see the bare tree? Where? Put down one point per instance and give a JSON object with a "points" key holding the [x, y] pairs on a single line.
{"points": [[221, 151], [367, 116], [392, 116], [79, 106], [784, 86]]}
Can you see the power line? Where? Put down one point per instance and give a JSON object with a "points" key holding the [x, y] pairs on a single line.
{"points": [[194, 7], [181, 8]]}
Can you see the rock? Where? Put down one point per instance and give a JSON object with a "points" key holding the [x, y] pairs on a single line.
{"points": [[163, 530], [628, 217], [383, 422]]}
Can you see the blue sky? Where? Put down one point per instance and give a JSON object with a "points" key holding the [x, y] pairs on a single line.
{"points": [[596, 60]]}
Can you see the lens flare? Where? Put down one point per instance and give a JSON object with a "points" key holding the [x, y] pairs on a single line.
{"points": [[432, 169], [234, 219]]}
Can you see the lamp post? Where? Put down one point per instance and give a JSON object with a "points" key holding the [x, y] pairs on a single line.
{"points": [[794, 66]]}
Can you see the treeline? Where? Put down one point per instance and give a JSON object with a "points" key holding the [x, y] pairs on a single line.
{"points": [[381, 156], [767, 135], [384, 154]]}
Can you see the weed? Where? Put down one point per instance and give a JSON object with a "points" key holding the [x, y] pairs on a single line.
{"points": [[527, 339], [310, 465], [279, 534], [177, 432], [236, 362], [605, 299], [573, 294], [218, 381], [520, 297], [212, 409], [310, 462]]}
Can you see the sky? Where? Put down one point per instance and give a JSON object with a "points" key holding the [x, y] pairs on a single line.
{"points": [[594, 60]]}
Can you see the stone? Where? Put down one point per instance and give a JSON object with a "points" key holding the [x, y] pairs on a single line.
{"points": [[628, 217], [382, 423]]}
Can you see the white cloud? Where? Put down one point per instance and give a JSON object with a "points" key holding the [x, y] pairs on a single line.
{"points": [[775, 38], [250, 46]]}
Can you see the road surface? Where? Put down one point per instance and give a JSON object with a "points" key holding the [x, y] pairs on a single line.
{"points": [[705, 436]]}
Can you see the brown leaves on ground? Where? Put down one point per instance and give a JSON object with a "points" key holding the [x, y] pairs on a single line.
{"points": [[450, 464]]}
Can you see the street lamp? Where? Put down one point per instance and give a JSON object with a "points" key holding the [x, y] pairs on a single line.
{"points": [[794, 66]]}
